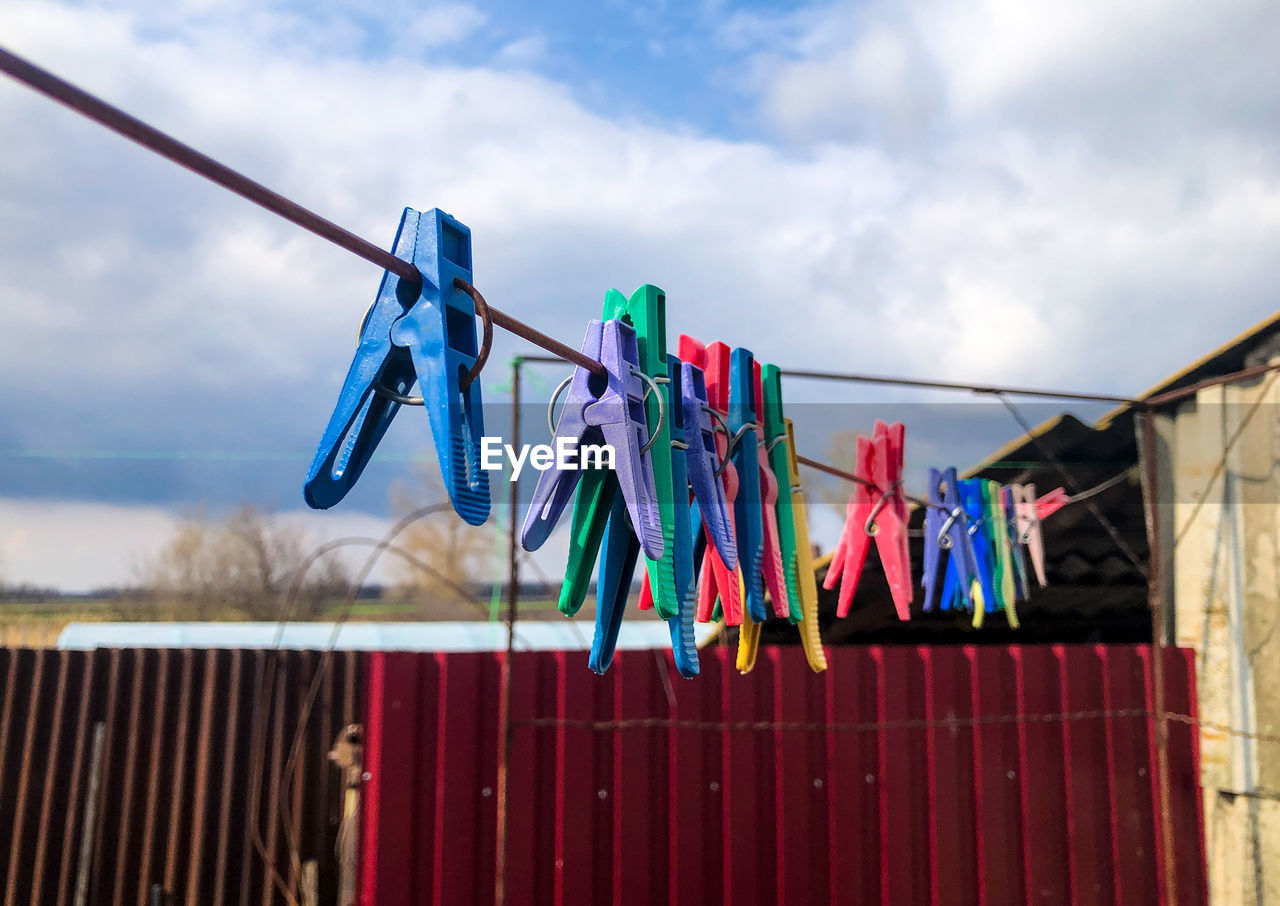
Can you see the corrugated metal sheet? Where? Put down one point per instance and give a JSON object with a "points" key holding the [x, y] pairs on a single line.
{"points": [[798, 800], [183, 780]]}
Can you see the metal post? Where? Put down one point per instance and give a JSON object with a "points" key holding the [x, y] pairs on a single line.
{"points": [[504, 706], [1155, 597], [89, 830]]}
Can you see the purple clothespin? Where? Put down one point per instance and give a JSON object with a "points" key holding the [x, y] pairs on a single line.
{"points": [[708, 490], [612, 415]]}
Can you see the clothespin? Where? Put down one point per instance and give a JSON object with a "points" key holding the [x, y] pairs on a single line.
{"points": [[775, 577], [1050, 503], [1029, 533], [645, 310], [621, 551], [424, 333], [618, 555], [748, 642], [596, 489], [780, 532], [877, 509], [594, 415], [747, 509], [1002, 577], [683, 644], [975, 509], [779, 451], [702, 462], [946, 531], [806, 581], [1021, 583], [717, 577]]}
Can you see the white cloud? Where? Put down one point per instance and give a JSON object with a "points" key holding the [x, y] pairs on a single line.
{"points": [[961, 190], [523, 51], [445, 23]]}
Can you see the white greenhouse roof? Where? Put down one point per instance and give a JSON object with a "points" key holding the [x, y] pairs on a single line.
{"points": [[359, 636]]}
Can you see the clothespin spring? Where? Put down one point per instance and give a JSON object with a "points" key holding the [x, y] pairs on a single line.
{"points": [[653, 386], [870, 527], [482, 309], [944, 533]]}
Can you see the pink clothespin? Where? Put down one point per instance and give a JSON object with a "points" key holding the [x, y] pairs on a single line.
{"points": [[880, 512], [1028, 521], [1050, 503]]}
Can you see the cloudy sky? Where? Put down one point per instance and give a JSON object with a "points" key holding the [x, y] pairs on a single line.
{"points": [[1083, 195]]}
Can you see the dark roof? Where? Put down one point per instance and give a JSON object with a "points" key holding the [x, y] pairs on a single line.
{"points": [[1095, 592]]}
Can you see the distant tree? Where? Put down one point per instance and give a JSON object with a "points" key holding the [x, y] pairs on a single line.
{"points": [[453, 551], [239, 566]]}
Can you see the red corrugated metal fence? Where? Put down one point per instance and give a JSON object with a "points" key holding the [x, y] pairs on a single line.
{"points": [[902, 775]]}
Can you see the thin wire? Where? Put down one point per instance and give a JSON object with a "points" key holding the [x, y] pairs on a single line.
{"points": [[184, 155], [258, 747], [953, 385], [946, 723], [1221, 465], [1101, 488], [1069, 484], [325, 661], [292, 837]]}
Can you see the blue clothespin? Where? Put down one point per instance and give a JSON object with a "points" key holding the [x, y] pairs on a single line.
{"points": [[933, 520], [423, 332], [747, 515], [708, 489], [683, 645], [975, 510], [612, 414], [948, 532], [620, 552]]}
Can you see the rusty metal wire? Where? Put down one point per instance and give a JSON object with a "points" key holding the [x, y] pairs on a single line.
{"points": [[184, 155], [945, 723]]}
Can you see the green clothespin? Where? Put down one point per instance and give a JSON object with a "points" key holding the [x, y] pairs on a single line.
{"points": [[596, 490], [775, 439], [1002, 556], [646, 311]]}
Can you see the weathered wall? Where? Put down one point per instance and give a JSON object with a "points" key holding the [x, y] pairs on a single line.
{"points": [[1221, 537]]}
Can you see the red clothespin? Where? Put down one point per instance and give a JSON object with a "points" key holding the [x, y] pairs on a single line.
{"points": [[1050, 503], [877, 509], [775, 579], [716, 578], [646, 593]]}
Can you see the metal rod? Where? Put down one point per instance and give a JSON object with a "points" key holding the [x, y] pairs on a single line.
{"points": [[550, 344], [952, 385], [513, 597], [1173, 396], [184, 155], [89, 829], [1156, 603]]}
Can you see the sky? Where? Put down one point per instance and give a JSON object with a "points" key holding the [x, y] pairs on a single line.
{"points": [[1080, 195]]}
